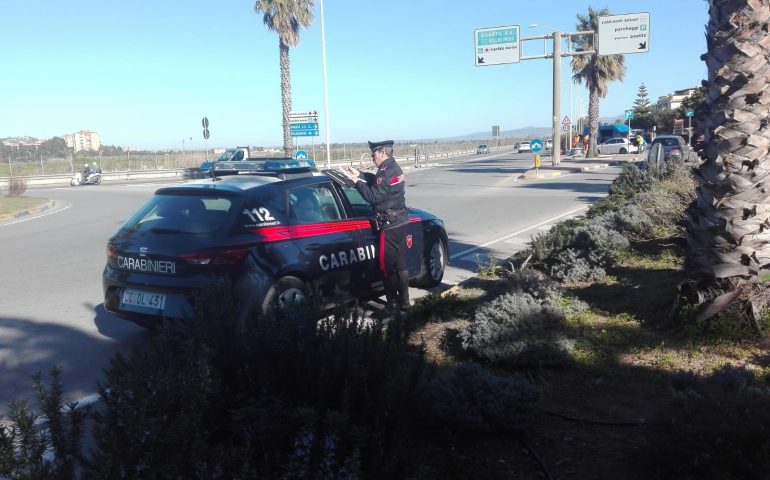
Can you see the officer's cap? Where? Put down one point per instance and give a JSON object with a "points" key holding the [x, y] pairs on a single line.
{"points": [[375, 145]]}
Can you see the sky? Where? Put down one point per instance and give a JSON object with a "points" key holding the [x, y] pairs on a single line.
{"points": [[143, 73]]}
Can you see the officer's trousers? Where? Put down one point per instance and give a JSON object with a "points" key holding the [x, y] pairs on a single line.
{"points": [[393, 264]]}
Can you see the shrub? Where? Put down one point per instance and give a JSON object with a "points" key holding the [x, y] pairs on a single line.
{"points": [[570, 267], [473, 399], [225, 396], [45, 444], [17, 186], [557, 238], [630, 181], [515, 329]]}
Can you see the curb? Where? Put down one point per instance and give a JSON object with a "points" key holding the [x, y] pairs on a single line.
{"points": [[548, 174], [29, 211]]}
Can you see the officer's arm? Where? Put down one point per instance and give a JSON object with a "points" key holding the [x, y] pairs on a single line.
{"points": [[374, 193]]}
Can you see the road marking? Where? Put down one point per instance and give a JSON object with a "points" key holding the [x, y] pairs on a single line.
{"points": [[510, 235], [36, 216]]}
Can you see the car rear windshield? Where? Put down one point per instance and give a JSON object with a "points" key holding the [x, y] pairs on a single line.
{"points": [[180, 214], [667, 142]]}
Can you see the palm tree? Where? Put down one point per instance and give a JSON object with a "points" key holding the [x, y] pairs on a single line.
{"points": [[730, 220], [285, 17], [594, 70]]}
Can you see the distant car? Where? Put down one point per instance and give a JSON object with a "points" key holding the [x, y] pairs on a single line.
{"points": [[523, 147], [674, 147], [548, 144], [617, 146], [206, 167], [273, 228], [483, 148]]}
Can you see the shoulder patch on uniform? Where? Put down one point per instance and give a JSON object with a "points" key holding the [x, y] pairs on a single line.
{"points": [[397, 180]]}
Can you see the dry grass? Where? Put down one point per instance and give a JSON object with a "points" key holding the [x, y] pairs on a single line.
{"points": [[9, 205]]}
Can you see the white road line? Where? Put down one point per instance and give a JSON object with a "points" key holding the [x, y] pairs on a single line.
{"points": [[36, 216], [501, 239]]}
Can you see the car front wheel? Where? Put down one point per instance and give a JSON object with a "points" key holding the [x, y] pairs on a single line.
{"points": [[433, 264], [623, 151]]}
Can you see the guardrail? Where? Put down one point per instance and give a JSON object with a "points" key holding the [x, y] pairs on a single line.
{"points": [[194, 173]]}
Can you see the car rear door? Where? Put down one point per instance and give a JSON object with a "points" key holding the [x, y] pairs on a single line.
{"points": [[329, 244]]}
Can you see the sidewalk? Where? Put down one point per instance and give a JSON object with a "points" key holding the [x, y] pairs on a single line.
{"points": [[569, 165]]}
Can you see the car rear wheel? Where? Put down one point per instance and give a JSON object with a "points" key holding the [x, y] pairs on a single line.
{"points": [[433, 264], [623, 151], [285, 292]]}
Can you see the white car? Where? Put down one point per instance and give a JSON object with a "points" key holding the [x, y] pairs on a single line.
{"points": [[523, 147], [617, 146]]}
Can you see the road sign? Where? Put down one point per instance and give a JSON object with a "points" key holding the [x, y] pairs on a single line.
{"points": [[303, 120], [304, 133], [314, 113], [300, 155], [205, 133], [565, 127], [205, 122], [303, 126], [622, 34], [690, 113], [629, 114], [536, 145], [566, 120], [497, 45]]}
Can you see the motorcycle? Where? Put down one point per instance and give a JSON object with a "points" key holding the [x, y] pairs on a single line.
{"points": [[94, 178]]}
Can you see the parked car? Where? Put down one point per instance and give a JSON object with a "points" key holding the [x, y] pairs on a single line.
{"points": [[617, 146], [483, 148], [674, 147], [548, 144], [523, 147], [274, 229]]}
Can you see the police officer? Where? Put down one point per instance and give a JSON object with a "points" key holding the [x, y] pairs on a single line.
{"points": [[384, 190]]}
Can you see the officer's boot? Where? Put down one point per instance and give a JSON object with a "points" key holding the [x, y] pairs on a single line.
{"points": [[403, 283], [391, 294]]}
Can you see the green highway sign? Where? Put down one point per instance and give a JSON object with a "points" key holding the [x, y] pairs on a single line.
{"points": [[497, 45]]}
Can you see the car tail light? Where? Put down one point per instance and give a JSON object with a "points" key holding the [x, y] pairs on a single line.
{"points": [[112, 250], [228, 256]]}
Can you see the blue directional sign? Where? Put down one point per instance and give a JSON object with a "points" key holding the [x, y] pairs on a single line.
{"points": [[629, 114], [309, 129], [303, 126], [536, 145], [690, 113], [300, 155], [304, 133]]}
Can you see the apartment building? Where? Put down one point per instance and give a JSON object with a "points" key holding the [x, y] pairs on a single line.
{"points": [[83, 140], [673, 100]]}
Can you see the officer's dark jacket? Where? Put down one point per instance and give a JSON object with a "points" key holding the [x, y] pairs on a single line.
{"points": [[385, 189]]}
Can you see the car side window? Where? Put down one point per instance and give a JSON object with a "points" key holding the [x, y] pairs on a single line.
{"points": [[313, 203], [361, 208]]}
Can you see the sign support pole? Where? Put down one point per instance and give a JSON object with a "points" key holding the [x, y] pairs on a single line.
{"points": [[556, 143]]}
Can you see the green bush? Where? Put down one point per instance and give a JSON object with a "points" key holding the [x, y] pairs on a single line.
{"points": [[284, 397], [44, 444], [473, 399], [631, 181], [515, 329]]}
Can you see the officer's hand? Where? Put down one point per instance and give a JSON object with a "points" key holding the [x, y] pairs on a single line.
{"points": [[351, 173]]}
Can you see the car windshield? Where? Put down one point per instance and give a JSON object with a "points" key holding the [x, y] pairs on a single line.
{"points": [[179, 214]]}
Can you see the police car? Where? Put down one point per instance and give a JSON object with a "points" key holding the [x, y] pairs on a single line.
{"points": [[274, 228]]}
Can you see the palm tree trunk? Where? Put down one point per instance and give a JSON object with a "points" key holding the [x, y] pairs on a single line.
{"points": [[288, 146], [593, 119], [730, 221]]}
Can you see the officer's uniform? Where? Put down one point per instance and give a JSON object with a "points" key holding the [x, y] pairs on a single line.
{"points": [[384, 190]]}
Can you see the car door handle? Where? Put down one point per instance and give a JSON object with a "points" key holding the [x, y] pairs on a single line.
{"points": [[313, 246]]}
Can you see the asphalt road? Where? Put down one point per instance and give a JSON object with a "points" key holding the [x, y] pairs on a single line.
{"points": [[51, 309]]}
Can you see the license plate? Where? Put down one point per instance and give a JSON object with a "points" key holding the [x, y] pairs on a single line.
{"points": [[137, 298]]}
